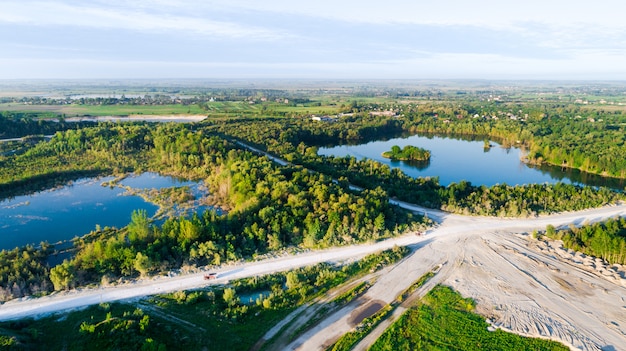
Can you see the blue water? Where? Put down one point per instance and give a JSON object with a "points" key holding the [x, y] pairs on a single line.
{"points": [[454, 160], [250, 298], [74, 210], [154, 181]]}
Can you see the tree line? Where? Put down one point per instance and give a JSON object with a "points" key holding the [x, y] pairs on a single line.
{"points": [[24, 271], [17, 124], [606, 240]]}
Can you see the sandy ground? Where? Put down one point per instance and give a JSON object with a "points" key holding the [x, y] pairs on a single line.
{"points": [[146, 118], [523, 285]]}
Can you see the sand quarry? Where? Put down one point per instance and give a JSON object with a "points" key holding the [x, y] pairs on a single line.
{"points": [[139, 118], [530, 287]]}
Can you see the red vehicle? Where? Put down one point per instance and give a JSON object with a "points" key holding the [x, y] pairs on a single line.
{"points": [[210, 276]]}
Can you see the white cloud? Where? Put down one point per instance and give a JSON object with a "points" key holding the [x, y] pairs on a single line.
{"points": [[489, 13], [552, 23], [125, 18], [344, 39], [591, 65]]}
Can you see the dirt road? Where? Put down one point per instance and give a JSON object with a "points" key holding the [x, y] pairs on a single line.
{"points": [[523, 285], [529, 290]]}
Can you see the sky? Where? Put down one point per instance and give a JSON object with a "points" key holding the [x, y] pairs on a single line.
{"points": [[322, 39]]}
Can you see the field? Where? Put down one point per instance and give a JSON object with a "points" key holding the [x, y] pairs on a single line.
{"points": [[109, 110], [213, 109], [187, 326]]}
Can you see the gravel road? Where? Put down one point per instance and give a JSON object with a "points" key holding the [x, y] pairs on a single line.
{"points": [[523, 285]]}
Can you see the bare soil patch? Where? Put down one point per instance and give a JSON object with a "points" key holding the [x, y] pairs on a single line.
{"points": [[365, 311]]}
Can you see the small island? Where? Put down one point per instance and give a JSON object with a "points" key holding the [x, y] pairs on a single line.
{"points": [[408, 153]]}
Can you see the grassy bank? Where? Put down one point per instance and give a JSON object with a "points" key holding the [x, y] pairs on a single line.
{"points": [[444, 320]]}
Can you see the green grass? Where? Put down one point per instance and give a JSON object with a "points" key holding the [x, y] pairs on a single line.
{"points": [[215, 109], [351, 294], [266, 109], [444, 321], [107, 110], [185, 320], [200, 327], [219, 333], [121, 110], [145, 110]]}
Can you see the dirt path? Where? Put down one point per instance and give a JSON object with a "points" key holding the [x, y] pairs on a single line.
{"points": [[135, 118], [308, 316], [168, 316], [518, 285], [534, 291]]}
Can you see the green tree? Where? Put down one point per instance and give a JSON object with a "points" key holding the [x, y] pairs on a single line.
{"points": [[142, 264], [62, 276], [293, 280], [139, 226], [230, 297]]}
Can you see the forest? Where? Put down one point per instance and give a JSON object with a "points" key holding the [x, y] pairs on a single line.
{"points": [[268, 207], [16, 124], [297, 140], [262, 207]]}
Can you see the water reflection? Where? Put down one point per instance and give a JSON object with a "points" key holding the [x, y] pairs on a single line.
{"points": [[419, 165], [75, 209], [456, 158]]}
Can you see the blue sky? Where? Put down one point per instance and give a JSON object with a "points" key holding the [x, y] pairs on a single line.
{"points": [[338, 39]]}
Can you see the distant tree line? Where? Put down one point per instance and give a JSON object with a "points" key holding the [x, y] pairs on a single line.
{"points": [[16, 124]]}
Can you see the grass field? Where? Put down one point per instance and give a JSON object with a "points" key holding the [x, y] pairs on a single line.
{"points": [[118, 327], [215, 109], [108, 110], [209, 318], [444, 320]]}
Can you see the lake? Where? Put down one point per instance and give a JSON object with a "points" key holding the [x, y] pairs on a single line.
{"points": [[75, 209], [454, 160]]}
